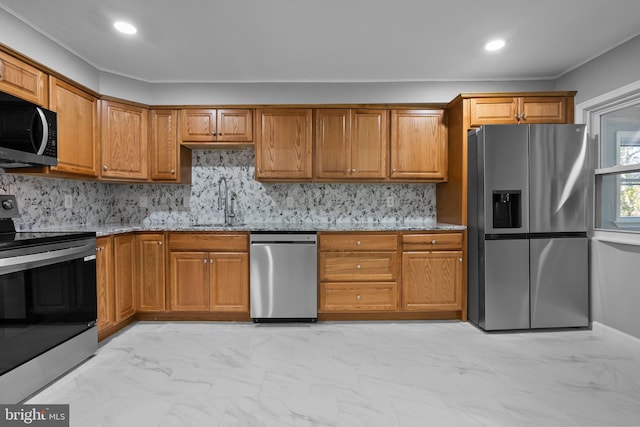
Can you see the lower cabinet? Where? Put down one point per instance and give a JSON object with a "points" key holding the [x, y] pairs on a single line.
{"points": [[115, 281], [151, 272], [105, 283], [432, 272], [124, 255], [393, 275], [209, 273], [358, 272]]}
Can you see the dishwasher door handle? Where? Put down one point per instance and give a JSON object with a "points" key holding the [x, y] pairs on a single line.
{"points": [[262, 243]]}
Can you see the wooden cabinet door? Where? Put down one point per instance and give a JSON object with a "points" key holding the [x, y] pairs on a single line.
{"points": [[164, 145], [432, 281], [105, 282], [542, 109], [283, 144], [198, 125], [124, 141], [78, 129], [151, 272], [418, 145], [229, 281], [189, 287], [234, 125], [23, 80], [333, 143], [124, 275], [369, 144], [492, 111]]}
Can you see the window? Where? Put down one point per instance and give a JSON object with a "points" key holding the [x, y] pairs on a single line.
{"points": [[617, 127]]}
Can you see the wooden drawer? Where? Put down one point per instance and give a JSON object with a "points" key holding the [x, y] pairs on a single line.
{"points": [[336, 297], [431, 241], [208, 241], [358, 242], [348, 266]]}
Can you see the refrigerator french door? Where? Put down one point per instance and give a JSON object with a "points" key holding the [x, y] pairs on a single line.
{"points": [[528, 250]]}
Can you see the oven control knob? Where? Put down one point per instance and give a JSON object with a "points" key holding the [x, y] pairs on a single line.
{"points": [[7, 205]]}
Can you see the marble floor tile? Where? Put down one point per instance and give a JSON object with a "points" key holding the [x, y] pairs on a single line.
{"points": [[351, 374]]}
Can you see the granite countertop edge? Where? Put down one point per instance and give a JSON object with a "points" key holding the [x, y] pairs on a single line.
{"points": [[112, 229]]}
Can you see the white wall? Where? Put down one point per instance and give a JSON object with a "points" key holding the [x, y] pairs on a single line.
{"points": [[22, 38], [614, 69], [614, 266]]}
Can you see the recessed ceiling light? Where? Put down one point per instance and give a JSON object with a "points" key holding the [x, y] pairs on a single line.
{"points": [[494, 45], [125, 27]]}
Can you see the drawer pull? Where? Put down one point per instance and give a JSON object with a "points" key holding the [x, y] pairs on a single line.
{"points": [[358, 297], [460, 259], [433, 242], [358, 243], [358, 267]]}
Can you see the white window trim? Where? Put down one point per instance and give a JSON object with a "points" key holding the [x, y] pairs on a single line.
{"points": [[584, 112]]}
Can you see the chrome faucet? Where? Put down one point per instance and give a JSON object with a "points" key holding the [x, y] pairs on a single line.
{"points": [[223, 201]]}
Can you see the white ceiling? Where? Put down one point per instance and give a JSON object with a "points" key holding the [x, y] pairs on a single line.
{"points": [[334, 40]]}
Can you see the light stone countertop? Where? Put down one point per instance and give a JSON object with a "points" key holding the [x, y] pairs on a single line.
{"points": [[110, 229]]}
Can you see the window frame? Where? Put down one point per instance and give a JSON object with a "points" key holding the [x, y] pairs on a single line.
{"points": [[591, 113]]}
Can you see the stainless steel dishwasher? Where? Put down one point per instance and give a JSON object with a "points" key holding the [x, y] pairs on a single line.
{"points": [[284, 276]]}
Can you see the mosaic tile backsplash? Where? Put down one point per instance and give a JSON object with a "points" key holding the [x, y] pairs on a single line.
{"points": [[41, 200]]}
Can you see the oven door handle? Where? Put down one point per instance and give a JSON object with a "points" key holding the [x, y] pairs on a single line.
{"points": [[25, 262]]}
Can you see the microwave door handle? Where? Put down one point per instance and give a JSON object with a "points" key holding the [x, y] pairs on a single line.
{"points": [[45, 131]]}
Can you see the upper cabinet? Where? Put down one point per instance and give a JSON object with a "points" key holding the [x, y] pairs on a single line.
{"points": [[207, 127], [124, 142], [469, 110], [418, 145], [21, 79], [351, 144], [78, 129], [518, 110], [283, 144], [170, 162]]}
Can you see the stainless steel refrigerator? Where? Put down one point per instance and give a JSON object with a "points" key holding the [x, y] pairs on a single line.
{"points": [[527, 227]]}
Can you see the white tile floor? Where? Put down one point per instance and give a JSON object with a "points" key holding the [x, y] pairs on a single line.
{"points": [[352, 374]]}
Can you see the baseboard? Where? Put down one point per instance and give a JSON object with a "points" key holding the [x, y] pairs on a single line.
{"points": [[610, 332]]}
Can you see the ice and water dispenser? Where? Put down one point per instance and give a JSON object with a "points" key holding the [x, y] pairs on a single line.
{"points": [[507, 209]]}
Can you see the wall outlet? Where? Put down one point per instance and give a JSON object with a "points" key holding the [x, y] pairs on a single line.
{"points": [[68, 201], [391, 201], [290, 203], [144, 202]]}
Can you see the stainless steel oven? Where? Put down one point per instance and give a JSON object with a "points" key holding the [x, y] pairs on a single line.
{"points": [[48, 308]]}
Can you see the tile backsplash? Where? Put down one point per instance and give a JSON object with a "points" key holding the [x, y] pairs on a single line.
{"points": [[41, 200]]}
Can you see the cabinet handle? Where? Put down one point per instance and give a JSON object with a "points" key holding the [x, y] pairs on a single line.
{"points": [[205, 261], [517, 116], [358, 243], [105, 168], [433, 242], [460, 259], [524, 117], [173, 171], [393, 169], [358, 297], [347, 171], [160, 243], [353, 171], [98, 249], [358, 266], [210, 261]]}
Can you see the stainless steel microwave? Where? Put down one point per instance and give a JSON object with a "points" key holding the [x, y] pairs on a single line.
{"points": [[28, 134]]}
